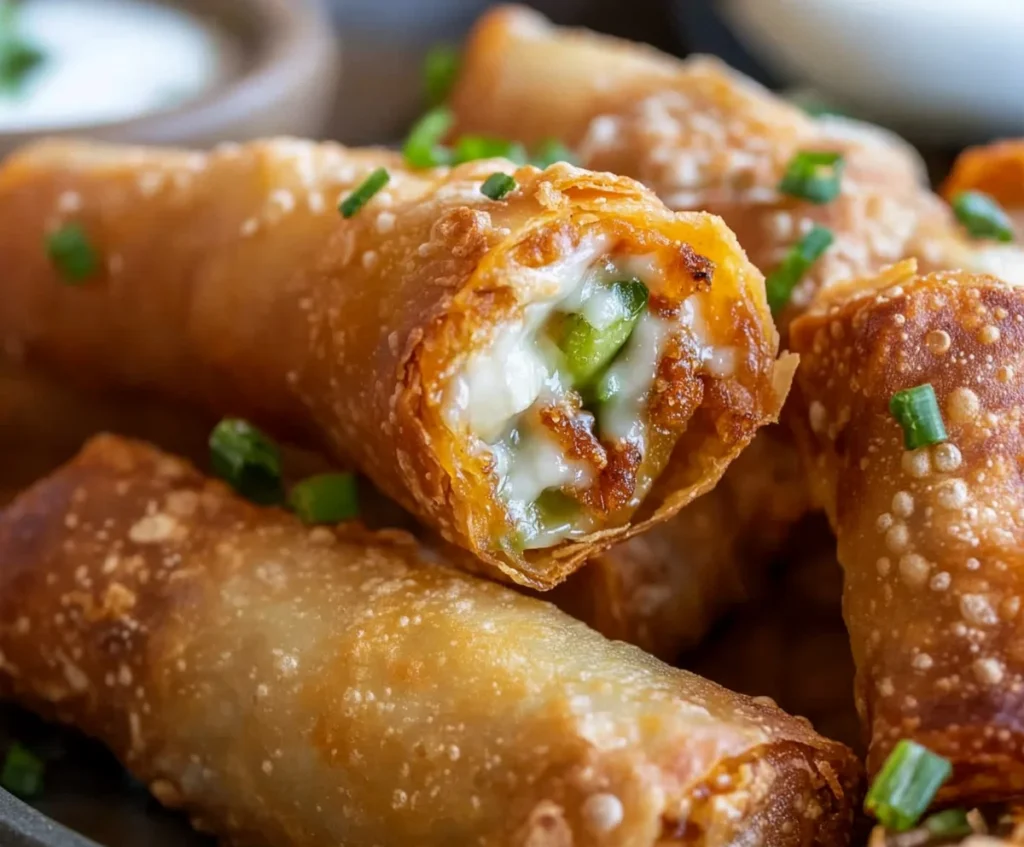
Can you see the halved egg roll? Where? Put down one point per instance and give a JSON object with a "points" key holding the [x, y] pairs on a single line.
{"points": [[930, 537], [706, 137], [534, 376], [296, 686]]}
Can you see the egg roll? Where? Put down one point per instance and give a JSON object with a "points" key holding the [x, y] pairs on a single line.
{"points": [[295, 686], [704, 136], [533, 376], [929, 538]]}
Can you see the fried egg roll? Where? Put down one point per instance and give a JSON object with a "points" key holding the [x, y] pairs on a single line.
{"points": [[534, 376], [296, 686], [706, 137], [930, 536]]}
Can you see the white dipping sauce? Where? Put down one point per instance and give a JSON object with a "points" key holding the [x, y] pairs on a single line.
{"points": [[109, 60]]}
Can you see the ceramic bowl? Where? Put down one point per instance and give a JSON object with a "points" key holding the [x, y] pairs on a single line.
{"points": [[941, 71], [281, 59]]}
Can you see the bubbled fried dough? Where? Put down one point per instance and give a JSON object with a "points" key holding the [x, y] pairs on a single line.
{"points": [[348, 334], [295, 686], [930, 539]]}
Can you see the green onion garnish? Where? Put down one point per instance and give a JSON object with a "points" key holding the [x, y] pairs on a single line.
{"points": [[247, 460], [22, 772], [440, 68], [917, 411], [949, 823], [549, 151], [423, 148], [18, 58], [497, 185], [781, 281], [73, 255], [364, 193], [469, 148], [327, 498], [982, 216], [813, 176], [905, 786]]}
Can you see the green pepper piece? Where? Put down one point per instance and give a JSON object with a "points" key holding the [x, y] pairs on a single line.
{"points": [[589, 350], [555, 510]]}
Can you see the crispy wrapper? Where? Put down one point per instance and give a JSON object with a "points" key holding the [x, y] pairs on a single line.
{"points": [[664, 589], [705, 137], [995, 169], [929, 539], [524, 78], [230, 280], [291, 686]]}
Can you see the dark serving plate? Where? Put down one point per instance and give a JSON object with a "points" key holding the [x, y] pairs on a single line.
{"points": [[88, 799]]}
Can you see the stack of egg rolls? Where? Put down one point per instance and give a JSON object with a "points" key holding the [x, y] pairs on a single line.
{"points": [[930, 538], [295, 686], [423, 340], [703, 137]]}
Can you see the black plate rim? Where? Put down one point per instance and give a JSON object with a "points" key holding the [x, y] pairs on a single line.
{"points": [[23, 826]]}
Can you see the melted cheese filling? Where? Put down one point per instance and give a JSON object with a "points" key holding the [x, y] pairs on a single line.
{"points": [[499, 391]]}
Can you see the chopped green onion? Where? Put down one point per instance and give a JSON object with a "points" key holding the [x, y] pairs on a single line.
{"points": [[949, 823], [22, 772], [801, 256], [905, 786], [18, 58], [364, 193], [982, 216], [589, 350], [327, 498], [73, 255], [423, 148], [497, 186], [248, 460], [549, 151], [469, 148], [813, 176], [917, 411], [440, 68]]}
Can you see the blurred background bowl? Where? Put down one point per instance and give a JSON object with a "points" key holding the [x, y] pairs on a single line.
{"points": [[940, 71], [279, 75]]}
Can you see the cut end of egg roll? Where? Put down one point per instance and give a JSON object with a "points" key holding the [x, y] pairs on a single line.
{"points": [[929, 534], [536, 376], [294, 686]]}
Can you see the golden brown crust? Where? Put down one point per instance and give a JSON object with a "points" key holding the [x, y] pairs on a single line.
{"points": [[209, 257], [930, 539], [292, 686], [508, 62], [705, 137]]}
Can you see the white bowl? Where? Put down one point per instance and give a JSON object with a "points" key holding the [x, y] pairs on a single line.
{"points": [[940, 70]]}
